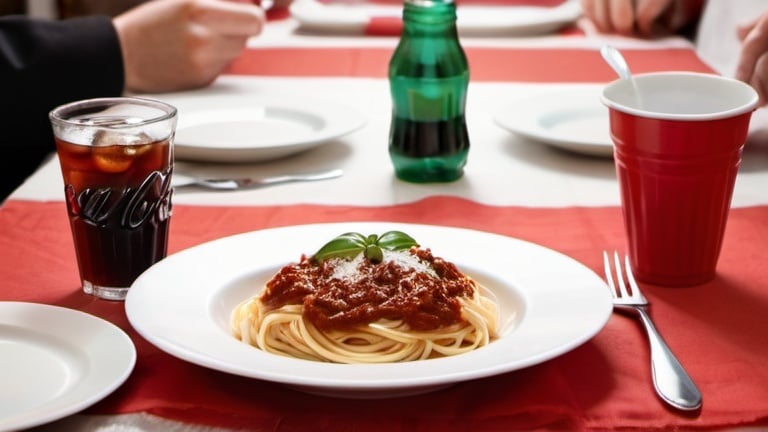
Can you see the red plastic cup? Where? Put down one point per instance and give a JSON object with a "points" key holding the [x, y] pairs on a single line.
{"points": [[677, 150]]}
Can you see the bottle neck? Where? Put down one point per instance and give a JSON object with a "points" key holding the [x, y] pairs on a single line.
{"points": [[429, 17]]}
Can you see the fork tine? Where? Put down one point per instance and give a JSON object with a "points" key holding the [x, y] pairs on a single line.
{"points": [[620, 276], [609, 273], [631, 278]]}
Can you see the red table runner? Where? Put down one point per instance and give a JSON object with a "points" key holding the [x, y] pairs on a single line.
{"points": [[485, 64], [716, 329], [539, 3]]}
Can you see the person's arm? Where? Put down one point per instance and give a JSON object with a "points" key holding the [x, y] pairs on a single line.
{"points": [[173, 45], [42, 65], [160, 46], [46, 63]]}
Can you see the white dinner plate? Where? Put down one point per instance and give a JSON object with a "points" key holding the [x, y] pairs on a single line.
{"points": [[353, 17], [242, 128], [572, 119], [549, 304], [56, 361]]}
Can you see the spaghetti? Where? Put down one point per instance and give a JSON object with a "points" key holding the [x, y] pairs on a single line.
{"points": [[406, 305]]}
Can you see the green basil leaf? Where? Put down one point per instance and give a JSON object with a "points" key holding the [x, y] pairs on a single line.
{"points": [[374, 254], [395, 241], [347, 245]]}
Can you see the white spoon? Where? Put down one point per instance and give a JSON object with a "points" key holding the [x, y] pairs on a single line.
{"points": [[616, 61]]}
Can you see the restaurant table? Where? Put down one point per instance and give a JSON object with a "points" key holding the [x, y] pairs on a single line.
{"points": [[512, 186]]}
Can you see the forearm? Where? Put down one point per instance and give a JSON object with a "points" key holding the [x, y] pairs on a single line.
{"points": [[46, 63]]}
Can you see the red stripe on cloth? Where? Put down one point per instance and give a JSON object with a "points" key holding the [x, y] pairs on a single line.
{"points": [[278, 13], [486, 64], [538, 3], [383, 26], [604, 384]]}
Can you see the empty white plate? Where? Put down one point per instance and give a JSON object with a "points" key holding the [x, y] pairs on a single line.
{"points": [[241, 128], [56, 361], [572, 119], [349, 17]]}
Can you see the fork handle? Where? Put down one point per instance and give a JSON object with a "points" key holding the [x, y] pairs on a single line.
{"points": [[670, 380]]}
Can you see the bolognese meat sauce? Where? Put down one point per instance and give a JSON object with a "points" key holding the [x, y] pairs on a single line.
{"points": [[413, 286]]}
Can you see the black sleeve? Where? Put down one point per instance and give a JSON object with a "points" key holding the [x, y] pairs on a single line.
{"points": [[44, 64]]}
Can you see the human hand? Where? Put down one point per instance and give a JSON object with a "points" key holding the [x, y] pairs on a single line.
{"points": [[752, 67], [641, 17], [171, 45]]}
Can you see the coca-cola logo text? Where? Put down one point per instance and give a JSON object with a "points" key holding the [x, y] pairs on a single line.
{"points": [[130, 207]]}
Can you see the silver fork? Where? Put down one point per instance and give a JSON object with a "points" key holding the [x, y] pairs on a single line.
{"points": [[670, 380], [231, 184]]}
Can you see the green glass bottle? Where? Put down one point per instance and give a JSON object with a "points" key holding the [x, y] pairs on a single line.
{"points": [[428, 78]]}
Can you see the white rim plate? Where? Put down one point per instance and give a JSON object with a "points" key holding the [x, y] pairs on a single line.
{"points": [[572, 119], [233, 128], [549, 304], [56, 361], [352, 17]]}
